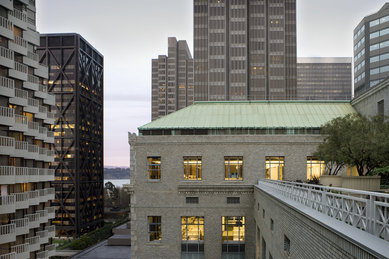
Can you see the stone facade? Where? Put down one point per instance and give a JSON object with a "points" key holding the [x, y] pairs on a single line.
{"points": [[167, 197]]}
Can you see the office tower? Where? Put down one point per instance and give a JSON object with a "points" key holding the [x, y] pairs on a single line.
{"points": [[244, 50], [76, 79], [371, 51], [324, 78], [26, 139], [172, 79]]}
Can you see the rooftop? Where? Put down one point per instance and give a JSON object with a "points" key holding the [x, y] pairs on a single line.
{"points": [[252, 115]]}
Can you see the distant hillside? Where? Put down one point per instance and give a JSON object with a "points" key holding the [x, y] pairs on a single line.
{"points": [[116, 173]]}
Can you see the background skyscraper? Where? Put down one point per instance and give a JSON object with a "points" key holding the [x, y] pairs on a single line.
{"points": [[26, 138], [371, 50], [324, 78], [244, 49], [172, 79], [76, 79]]}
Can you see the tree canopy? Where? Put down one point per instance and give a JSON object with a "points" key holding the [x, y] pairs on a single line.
{"points": [[356, 141]]}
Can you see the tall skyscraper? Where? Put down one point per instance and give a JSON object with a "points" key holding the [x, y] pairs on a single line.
{"points": [[371, 50], [26, 138], [76, 79], [172, 79], [244, 49], [324, 78]]}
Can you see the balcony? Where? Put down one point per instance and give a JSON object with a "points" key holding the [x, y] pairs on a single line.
{"points": [[21, 175], [32, 59], [7, 87], [33, 152], [18, 18], [33, 243], [43, 216], [31, 36], [21, 226], [50, 99], [7, 116], [50, 248], [21, 149], [32, 106], [46, 175], [32, 83], [43, 236], [42, 71], [21, 123], [7, 204], [7, 175], [51, 230], [7, 233], [22, 251], [8, 4], [50, 118], [50, 137], [8, 256], [33, 174], [33, 129], [19, 72], [33, 220], [21, 200], [6, 28], [42, 92], [51, 212], [42, 114], [6, 56], [42, 255], [7, 146], [21, 97], [49, 156], [18, 45], [50, 194], [33, 199]]}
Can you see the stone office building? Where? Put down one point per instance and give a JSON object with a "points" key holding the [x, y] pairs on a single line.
{"points": [[194, 172]]}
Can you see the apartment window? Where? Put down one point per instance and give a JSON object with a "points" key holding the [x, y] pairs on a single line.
{"points": [[315, 167], [233, 200], [286, 245], [192, 200], [155, 232], [380, 107], [192, 168], [154, 165], [233, 237], [192, 229], [275, 167], [233, 168]]}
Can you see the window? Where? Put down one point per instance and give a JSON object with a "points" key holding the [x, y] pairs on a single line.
{"points": [[380, 107], [315, 167], [274, 167], [272, 224], [286, 245], [154, 165], [192, 229], [233, 200], [192, 168], [233, 237], [155, 232], [192, 200], [233, 168]]}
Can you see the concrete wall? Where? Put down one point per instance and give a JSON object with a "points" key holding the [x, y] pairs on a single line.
{"points": [[367, 103], [166, 198], [308, 238]]}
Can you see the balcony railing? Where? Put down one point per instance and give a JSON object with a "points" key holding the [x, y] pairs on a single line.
{"points": [[21, 119], [33, 220], [7, 175], [33, 243], [43, 88], [20, 41], [7, 142], [19, 15], [366, 211], [50, 115], [33, 102], [21, 226], [6, 23], [21, 93], [7, 204], [51, 212], [50, 249], [33, 198], [43, 236], [7, 83], [33, 56], [7, 233], [8, 256], [21, 200], [7, 112], [42, 255], [22, 251], [51, 230], [21, 67]]}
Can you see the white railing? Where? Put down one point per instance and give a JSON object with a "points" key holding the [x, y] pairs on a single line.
{"points": [[21, 145], [20, 223], [18, 14], [33, 125], [21, 249], [33, 56], [42, 109], [33, 102], [7, 112], [42, 255], [50, 115], [22, 172], [6, 23], [32, 79], [7, 229], [7, 142], [6, 53], [7, 200], [33, 172], [20, 41], [33, 217], [50, 153], [7, 83], [21, 197], [21, 67], [33, 195], [8, 256], [43, 88], [33, 148], [367, 211], [7, 171], [21, 93], [20, 119]]}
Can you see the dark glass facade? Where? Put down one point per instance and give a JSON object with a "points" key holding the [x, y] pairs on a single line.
{"points": [[76, 79], [244, 50], [324, 79]]}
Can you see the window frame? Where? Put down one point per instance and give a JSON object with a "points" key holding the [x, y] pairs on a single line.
{"points": [[228, 176], [281, 166], [310, 163], [150, 232], [186, 243], [151, 170], [241, 243], [198, 166]]}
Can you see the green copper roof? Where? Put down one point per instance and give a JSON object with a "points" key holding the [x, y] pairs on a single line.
{"points": [[254, 114]]}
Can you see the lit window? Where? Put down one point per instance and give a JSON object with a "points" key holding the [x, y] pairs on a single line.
{"points": [[315, 168], [154, 165], [233, 168], [192, 230], [192, 168], [233, 236], [274, 167], [155, 232]]}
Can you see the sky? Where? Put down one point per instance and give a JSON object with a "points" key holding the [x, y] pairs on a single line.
{"points": [[129, 33]]}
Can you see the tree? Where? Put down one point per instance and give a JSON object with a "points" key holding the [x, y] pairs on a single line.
{"points": [[112, 192], [357, 141]]}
